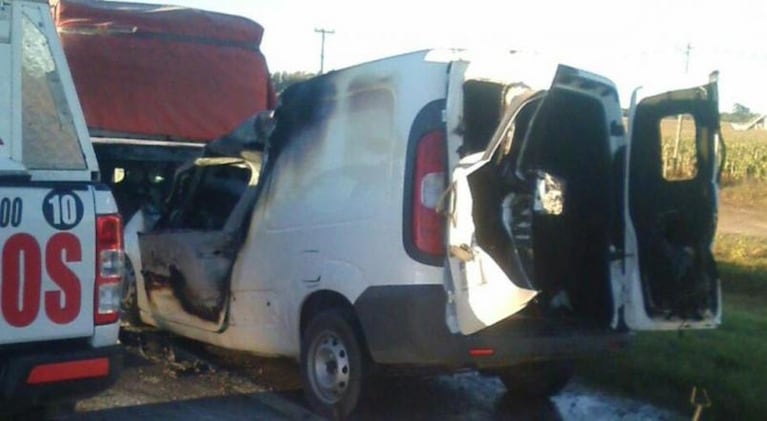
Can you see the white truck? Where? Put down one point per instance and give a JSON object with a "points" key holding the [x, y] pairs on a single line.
{"points": [[60, 234], [440, 210]]}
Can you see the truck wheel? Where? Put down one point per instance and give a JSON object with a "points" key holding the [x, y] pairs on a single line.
{"points": [[537, 380], [332, 364], [50, 411], [129, 302]]}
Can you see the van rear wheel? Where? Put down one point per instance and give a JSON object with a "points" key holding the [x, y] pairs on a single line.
{"points": [[538, 379], [332, 364]]}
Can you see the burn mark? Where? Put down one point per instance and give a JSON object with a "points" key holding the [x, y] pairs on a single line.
{"points": [[191, 302], [195, 267]]}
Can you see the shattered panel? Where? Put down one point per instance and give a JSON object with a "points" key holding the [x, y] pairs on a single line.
{"points": [[193, 267]]}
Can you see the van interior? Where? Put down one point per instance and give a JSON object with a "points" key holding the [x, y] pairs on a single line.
{"points": [[549, 209]]}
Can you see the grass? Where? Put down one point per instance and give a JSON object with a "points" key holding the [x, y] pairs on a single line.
{"points": [[730, 362], [746, 154]]}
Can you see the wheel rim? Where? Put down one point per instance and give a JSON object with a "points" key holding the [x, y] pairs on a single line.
{"points": [[329, 368], [128, 287]]}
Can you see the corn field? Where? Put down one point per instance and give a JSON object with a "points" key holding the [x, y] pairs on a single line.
{"points": [[746, 157]]}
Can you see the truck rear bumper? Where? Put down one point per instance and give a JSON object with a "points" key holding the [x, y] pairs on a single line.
{"points": [[405, 326], [55, 372]]}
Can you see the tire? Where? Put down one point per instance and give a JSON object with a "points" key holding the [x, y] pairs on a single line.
{"points": [[41, 412], [129, 302], [333, 366], [537, 380]]}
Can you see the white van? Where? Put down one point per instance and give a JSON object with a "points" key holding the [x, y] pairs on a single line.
{"points": [[435, 210]]}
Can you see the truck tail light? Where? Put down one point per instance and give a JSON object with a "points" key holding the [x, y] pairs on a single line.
{"points": [[69, 370], [429, 184], [110, 263]]}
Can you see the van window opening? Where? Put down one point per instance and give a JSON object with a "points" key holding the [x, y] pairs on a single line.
{"points": [[678, 147], [483, 107]]}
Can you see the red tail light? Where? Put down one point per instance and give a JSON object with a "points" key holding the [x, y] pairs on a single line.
{"points": [[429, 183], [109, 268], [69, 370], [482, 352]]}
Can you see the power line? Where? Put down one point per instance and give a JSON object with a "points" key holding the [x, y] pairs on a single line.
{"points": [[323, 32]]}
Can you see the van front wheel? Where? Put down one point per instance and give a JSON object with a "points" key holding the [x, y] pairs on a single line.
{"points": [[332, 364]]}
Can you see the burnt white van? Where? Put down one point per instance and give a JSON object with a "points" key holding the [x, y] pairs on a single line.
{"points": [[442, 211]]}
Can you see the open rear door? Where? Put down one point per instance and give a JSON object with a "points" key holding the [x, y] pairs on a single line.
{"points": [[480, 292], [672, 195]]}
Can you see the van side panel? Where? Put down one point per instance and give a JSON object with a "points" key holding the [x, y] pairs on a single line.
{"points": [[330, 215]]}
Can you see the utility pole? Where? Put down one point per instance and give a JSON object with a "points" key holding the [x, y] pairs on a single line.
{"points": [[675, 161], [687, 52], [323, 32]]}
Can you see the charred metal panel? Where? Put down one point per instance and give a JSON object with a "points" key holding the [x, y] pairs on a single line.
{"points": [[188, 259], [193, 266]]}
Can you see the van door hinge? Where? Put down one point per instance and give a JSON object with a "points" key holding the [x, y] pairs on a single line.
{"points": [[616, 254], [463, 252], [446, 203]]}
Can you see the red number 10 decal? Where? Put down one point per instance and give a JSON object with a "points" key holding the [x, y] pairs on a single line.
{"points": [[20, 302]]}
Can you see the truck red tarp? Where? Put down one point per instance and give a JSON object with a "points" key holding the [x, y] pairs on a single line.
{"points": [[163, 72]]}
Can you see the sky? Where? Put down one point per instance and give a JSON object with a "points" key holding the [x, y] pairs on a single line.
{"points": [[632, 42]]}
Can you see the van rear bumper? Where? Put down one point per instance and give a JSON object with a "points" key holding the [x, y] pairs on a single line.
{"points": [[56, 372], [405, 325]]}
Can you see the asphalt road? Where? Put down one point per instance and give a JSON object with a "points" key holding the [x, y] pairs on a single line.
{"points": [[168, 378]]}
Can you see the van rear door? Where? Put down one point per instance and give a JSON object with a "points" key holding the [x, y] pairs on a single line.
{"points": [[672, 184], [480, 293]]}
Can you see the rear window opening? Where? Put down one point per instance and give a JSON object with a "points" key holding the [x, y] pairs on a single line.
{"points": [[678, 150], [483, 107], [139, 185], [211, 196], [543, 207]]}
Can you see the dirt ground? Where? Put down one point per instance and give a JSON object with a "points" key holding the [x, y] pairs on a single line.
{"points": [[744, 221]]}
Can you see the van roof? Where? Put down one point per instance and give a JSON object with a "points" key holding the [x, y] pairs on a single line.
{"points": [[503, 66]]}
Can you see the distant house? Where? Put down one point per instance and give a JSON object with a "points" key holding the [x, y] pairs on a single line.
{"points": [[756, 123]]}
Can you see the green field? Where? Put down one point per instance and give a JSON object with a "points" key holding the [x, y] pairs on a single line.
{"points": [[731, 361], [746, 154], [746, 151]]}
